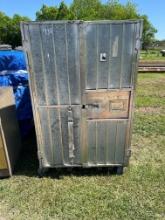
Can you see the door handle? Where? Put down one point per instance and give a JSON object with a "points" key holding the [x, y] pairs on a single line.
{"points": [[71, 134]]}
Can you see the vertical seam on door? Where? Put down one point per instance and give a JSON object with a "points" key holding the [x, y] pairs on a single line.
{"points": [[97, 49], [46, 93], [116, 141], [122, 48], [96, 142], [133, 57], [66, 54], [58, 97], [110, 57]]}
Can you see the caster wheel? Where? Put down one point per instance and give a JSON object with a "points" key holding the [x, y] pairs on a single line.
{"points": [[42, 172], [120, 170]]}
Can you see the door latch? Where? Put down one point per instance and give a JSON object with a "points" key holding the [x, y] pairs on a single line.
{"points": [[91, 105], [103, 57]]}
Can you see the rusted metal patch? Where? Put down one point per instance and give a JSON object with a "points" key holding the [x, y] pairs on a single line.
{"points": [[107, 105]]}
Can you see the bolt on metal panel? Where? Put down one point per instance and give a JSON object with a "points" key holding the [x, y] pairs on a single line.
{"points": [[82, 80]]}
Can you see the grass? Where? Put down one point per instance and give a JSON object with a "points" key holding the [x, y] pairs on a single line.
{"points": [[151, 92], [151, 55], [138, 194]]}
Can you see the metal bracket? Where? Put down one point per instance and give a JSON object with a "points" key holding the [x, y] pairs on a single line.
{"points": [[138, 44], [129, 152]]}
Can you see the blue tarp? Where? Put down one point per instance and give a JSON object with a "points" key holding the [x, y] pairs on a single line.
{"points": [[13, 73], [12, 60], [14, 78]]}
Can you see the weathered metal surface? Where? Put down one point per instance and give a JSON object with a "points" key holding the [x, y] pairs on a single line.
{"points": [[106, 142], [9, 132], [82, 78], [107, 105]]}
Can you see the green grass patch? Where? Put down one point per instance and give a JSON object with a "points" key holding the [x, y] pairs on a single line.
{"points": [[152, 58], [149, 124], [148, 76], [150, 90], [150, 101], [151, 55]]}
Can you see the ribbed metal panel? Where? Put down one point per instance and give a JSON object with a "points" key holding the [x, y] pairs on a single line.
{"points": [[106, 141], [117, 41], [65, 64]]}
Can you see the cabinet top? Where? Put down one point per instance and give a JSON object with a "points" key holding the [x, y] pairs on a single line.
{"points": [[81, 21]]}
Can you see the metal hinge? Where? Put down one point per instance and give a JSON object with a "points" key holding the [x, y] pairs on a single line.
{"points": [[129, 152], [138, 45]]}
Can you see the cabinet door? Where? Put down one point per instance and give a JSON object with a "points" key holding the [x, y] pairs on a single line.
{"points": [[105, 125]]}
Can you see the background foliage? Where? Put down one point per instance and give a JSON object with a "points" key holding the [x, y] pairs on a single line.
{"points": [[81, 10], [10, 29]]}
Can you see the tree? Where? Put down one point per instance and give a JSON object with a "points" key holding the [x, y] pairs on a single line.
{"points": [[86, 9], [148, 35], [64, 13], [10, 29], [46, 13], [114, 10], [4, 24], [54, 13], [14, 32]]}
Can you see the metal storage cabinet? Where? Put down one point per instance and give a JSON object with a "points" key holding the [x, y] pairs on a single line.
{"points": [[82, 79], [10, 142]]}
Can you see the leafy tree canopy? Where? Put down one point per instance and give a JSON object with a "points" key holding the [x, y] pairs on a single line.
{"points": [[148, 32], [10, 29], [46, 13], [54, 13], [86, 9], [114, 10]]}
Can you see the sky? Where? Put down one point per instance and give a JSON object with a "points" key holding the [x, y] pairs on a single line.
{"points": [[154, 9]]}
